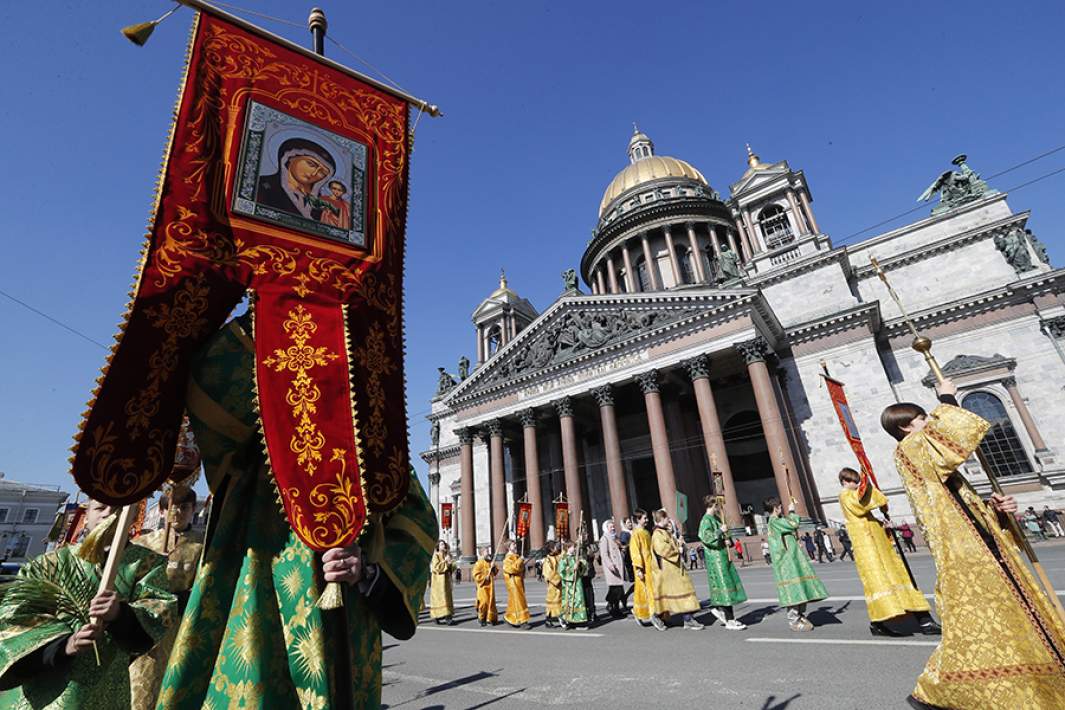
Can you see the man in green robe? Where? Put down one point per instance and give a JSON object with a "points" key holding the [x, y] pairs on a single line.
{"points": [[571, 569], [797, 583], [252, 636], [726, 589], [47, 658]]}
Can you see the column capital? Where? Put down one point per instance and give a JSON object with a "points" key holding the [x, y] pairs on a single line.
{"points": [[1009, 382], [1055, 327], [604, 395], [698, 367], [494, 428], [753, 350], [648, 381], [465, 435], [434, 479], [528, 417], [564, 407]]}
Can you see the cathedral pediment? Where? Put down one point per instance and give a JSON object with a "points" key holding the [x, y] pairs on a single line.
{"points": [[753, 179], [582, 330]]}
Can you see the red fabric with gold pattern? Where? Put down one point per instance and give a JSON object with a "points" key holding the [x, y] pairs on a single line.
{"points": [[287, 178]]}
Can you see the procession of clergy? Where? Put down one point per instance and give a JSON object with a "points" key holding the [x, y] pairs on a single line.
{"points": [[1003, 641], [238, 626]]}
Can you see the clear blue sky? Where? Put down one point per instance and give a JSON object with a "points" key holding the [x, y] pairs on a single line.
{"points": [[539, 98]]}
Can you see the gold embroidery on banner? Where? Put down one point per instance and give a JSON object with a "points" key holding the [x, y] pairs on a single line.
{"points": [[303, 394], [180, 240], [374, 359]]}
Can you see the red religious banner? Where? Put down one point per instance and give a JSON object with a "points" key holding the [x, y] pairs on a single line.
{"points": [[445, 515], [524, 516], [561, 521], [850, 429], [285, 178]]}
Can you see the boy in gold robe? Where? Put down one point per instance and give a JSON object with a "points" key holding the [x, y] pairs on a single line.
{"points": [[643, 564], [182, 548], [673, 589], [484, 576], [1003, 643], [553, 600], [441, 601], [517, 613], [889, 591]]}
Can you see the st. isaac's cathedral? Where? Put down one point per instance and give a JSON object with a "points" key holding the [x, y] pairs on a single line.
{"points": [[693, 337]]}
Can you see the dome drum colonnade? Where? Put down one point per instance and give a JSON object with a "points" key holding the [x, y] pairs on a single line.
{"points": [[771, 412]]}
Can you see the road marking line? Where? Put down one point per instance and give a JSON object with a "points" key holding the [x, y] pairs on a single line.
{"points": [[850, 642], [556, 634]]}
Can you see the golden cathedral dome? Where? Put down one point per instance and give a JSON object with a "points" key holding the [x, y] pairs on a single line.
{"points": [[645, 167]]}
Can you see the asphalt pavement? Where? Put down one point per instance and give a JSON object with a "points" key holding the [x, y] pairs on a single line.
{"points": [[617, 664]]}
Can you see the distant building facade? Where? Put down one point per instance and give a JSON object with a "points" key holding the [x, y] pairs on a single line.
{"points": [[698, 342], [27, 513]]}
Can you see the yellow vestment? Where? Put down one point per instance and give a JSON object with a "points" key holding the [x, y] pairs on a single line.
{"points": [[441, 602], [643, 600], [1003, 642], [673, 589], [513, 575], [888, 589], [182, 561], [553, 601], [486, 591]]}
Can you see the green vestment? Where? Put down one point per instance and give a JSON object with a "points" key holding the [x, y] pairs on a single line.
{"points": [[252, 636], [797, 583], [78, 682], [726, 589], [573, 609]]}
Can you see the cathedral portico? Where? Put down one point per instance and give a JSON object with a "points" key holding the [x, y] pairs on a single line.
{"points": [[700, 346]]}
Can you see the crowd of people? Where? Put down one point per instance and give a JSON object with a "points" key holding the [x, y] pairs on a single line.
{"points": [[983, 586]]}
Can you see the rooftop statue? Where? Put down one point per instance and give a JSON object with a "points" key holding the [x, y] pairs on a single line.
{"points": [[569, 280], [1014, 246], [444, 383], [956, 187], [464, 368], [729, 263]]}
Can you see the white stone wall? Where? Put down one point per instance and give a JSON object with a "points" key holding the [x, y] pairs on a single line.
{"points": [[858, 367], [809, 295]]}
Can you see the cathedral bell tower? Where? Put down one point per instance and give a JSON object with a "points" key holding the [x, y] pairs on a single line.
{"points": [[500, 318], [771, 205]]}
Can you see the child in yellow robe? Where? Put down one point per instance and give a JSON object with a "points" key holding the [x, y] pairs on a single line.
{"points": [[643, 564], [517, 613], [484, 576], [889, 591], [674, 592], [1003, 642], [441, 602], [553, 600]]}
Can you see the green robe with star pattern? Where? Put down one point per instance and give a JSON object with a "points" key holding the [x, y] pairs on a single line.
{"points": [[78, 682], [251, 636]]}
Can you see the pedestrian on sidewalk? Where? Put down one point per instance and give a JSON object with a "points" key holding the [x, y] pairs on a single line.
{"points": [[845, 543], [811, 546], [1052, 518], [765, 552], [907, 537]]}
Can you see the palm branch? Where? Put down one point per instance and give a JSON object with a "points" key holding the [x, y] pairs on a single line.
{"points": [[51, 588]]}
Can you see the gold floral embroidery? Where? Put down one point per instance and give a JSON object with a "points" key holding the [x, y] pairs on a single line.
{"points": [[303, 394], [375, 362]]}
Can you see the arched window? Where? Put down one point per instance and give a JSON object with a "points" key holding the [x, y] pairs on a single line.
{"points": [[643, 275], [687, 265], [775, 226], [495, 339], [1001, 446]]}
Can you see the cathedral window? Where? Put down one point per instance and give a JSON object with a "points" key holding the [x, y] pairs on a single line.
{"points": [[643, 275], [687, 265], [1002, 447], [495, 340], [775, 226]]}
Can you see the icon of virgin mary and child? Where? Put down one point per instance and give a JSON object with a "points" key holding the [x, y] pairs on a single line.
{"points": [[304, 185]]}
